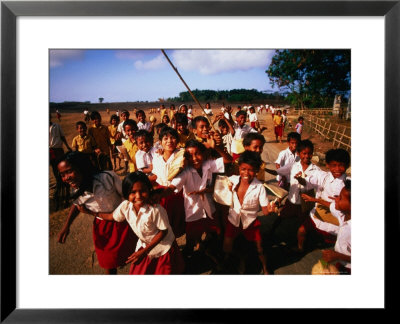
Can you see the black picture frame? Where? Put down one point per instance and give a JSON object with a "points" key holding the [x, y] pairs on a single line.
{"points": [[10, 10]]}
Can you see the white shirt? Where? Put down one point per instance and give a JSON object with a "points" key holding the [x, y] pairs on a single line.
{"points": [[146, 224], [272, 109], [198, 206], [295, 187], [120, 129], [106, 195], [326, 186], [145, 126], [299, 128], [161, 168], [208, 111], [343, 241], [286, 157], [227, 141], [255, 197], [56, 132], [240, 133], [143, 159], [253, 117]]}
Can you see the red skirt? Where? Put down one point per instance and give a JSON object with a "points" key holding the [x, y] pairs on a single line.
{"points": [[114, 242], [253, 124], [279, 130], [251, 233], [195, 229], [169, 263], [175, 208]]}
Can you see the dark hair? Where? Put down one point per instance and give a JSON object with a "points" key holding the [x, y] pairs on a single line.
{"points": [[172, 106], [168, 120], [81, 163], [160, 125], [338, 155], [251, 158], [241, 112], [126, 112], [144, 133], [114, 117], [181, 118], [300, 118], [198, 119], [181, 106], [140, 112], [251, 137], [304, 144], [83, 124], [131, 123], [279, 111], [194, 143], [131, 179], [347, 185], [94, 115], [294, 135], [222, 123], [251, 107], [168, 131]]}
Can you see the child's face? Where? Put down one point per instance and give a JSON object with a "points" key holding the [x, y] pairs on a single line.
{"points": [[143, 144], [130, 131], [337, 168], [247, 172], [181, 128], [293, 144], [202, 129], [241, 120], [141, 118], [165, 119], [255, 146], [113, 122], [69, 175], [81, 130], [252, 110], [169, 142], [184, 110], [139, 195], [223, 129], [301, 121], [342, 202], [97, 121], [124, 116], [195, 157], [306, 155]]}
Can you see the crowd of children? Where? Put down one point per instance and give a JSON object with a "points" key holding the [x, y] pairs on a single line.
{"points": [[168, 188]]}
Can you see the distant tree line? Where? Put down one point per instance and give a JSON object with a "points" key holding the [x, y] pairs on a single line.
{"points": [[228, 96], [311, 78]]}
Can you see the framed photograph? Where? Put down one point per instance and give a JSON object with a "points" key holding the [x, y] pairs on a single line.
{"points": [[29, 29]]}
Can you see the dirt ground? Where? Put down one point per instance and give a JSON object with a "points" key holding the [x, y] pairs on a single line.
{"points": [[77, 255]]}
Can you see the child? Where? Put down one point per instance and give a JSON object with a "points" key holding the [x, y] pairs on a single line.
{"points": [[183, 132], [97, 192], [114, 140], [299, 125], [327, 185], [254, 142], [58, 115], [130, 128], [253, 119], [101, 136], [341, 208], [142, 124], [288, 156], [241, 129], [284, 120], [144, 156], [197, 183], [161, 165], [163, 111], [278, 124], [225, 128], [212, 140], [83, 142], [208, 110], [158, 128], [165, 119], [272, 110], [183, 109], [156, 250], [248, 196]]}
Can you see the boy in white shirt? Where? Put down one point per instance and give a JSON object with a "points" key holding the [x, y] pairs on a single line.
{"points": [[142, 124], [249, 196], [144, 156], [287, 156], [241, 129], [121, 135], [253, 119]]}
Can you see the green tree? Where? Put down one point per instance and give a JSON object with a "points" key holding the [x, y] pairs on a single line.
{"points": [[311, 77], [101, 100]]}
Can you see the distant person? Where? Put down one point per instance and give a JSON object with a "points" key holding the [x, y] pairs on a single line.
{"points": [[278, 124], [115, 141], [299, 125], [122, 137], [58, 115], [108, 111], [253, 119], [142, 123], [207, 110], [83, 142], [241, 129]]}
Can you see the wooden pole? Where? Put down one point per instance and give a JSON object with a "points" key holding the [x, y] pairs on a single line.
{"points": [[187, 87]]}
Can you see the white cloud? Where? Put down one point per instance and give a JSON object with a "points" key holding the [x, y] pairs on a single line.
{"points": [[154, 64], [216, 61], [59, 57]]}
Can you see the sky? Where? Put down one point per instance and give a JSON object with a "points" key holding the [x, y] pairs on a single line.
{"points": [[146, 75]]}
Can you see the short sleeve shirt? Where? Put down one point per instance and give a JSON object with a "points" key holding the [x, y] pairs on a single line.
{"points": [[85, 144], [343, 241], [131, 148], [101, 136], [56, 133], [145, 126], [146, 224], [143, 159], [161, 168]]}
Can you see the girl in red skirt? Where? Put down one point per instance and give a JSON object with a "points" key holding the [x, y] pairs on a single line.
{"points": [[156, 250], [278, 123], [97, 192]]}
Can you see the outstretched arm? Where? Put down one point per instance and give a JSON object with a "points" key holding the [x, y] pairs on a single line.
{"points": [[139, 255], [73, 213]]}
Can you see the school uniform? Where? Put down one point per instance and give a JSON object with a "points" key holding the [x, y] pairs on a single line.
{"points": [[240, 133], [165, 257], [113, 241], [299, 128], [144, 159], [173, 203], [85, 144], [343, 242], [227, 141], [131, 149], [285, 157], [199, 209], [242, 218], [146, 126], [253, 119]]}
